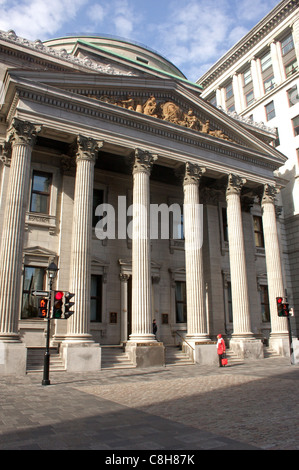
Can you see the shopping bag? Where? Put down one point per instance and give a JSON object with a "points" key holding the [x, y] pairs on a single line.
{"points": [[224, 361]]}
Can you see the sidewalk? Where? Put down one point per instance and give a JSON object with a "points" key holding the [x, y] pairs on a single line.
{"points": [[245, 406]]}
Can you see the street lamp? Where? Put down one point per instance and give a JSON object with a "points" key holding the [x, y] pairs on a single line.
{"points": [[52, 271]]}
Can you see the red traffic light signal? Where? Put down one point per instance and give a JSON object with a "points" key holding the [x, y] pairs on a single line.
{"points": [[282, 307], [42, 308], [58, 304]]}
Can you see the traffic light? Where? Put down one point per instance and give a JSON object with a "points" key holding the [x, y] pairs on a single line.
{"points": [[68, 305], [285, 310], [42, 308], [279, 306], [282, 307], [58, 304]]}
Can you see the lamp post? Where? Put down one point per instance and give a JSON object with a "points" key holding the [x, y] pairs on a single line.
{"points": [[52, 271]]}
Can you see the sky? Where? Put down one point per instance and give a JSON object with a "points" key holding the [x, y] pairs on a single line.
{"points": [[192, 34]]}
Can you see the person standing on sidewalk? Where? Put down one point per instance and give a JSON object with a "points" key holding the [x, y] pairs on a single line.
{"points": [[220, 349]]}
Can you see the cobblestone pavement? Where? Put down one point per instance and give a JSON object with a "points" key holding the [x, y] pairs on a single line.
{"points": [[244, 406]]}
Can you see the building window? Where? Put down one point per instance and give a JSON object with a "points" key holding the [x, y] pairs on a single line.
{"points": [[265, 307], [249, 98], [229, 91], [224, 224], [266, 61], [98, 199], [213, 100], [34, 279], [269, 83], [270, 110], [258, 231], [96, 299], [295, 123], [40, 192], [181, 302], [229, 302], [231, 109], [276, 142], [247, 77], [287, 44], [291, 67], [293, 96]]}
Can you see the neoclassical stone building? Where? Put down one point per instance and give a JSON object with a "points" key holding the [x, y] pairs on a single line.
{"points": [[89, 121]]}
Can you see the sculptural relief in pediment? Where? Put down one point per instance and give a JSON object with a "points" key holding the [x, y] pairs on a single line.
{"points": [[166, 111]]}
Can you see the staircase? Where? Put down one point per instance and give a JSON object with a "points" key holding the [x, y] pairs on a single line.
{"points": [[174, 356], [232, 358], [270, 353], [114, 357], [35, 360]]}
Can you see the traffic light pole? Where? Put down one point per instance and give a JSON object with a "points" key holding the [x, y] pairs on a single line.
{"points": [[290, 332], [46, 380]]}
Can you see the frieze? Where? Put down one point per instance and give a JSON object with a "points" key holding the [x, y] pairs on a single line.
{"points": [[164, 110]]}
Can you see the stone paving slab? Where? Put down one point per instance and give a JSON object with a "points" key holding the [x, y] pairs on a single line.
{"points": [[173, 408]]}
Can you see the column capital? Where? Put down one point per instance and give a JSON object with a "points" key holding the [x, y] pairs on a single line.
{"points": [[87, 148], [193, 173], [234, 184], [269, 194], [23, 132], [143, 161]]}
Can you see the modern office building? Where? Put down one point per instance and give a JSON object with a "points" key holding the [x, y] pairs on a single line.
{"points": [[152, 203], [257, 81]]}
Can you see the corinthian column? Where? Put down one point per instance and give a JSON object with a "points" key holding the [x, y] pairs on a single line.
{"points": [[21, 137], [141, 257], [142, 347], [239, 287], [242, 343], [195, 286], [80, 274], [279, 327]]}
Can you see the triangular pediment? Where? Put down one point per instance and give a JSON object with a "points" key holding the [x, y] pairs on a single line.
{"points": [[163, 102]]}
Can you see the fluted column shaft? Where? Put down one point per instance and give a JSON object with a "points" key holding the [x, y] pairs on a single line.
{"points": [[239, 285], [21, 136], [80, 271], [273, 259], [141, 256], [195, 286]]}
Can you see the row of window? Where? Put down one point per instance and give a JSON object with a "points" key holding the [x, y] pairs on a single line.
{"points": [[293, 98], [290, 64], [181, 302], [35, 277]]}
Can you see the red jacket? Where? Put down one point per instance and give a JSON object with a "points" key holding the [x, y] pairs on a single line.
{"points": [[220, 346]]}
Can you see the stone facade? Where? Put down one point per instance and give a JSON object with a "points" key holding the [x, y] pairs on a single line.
{"points": [[70, 156]]}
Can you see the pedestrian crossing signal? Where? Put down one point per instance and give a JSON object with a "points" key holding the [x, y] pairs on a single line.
{"points": [[42, 308]]}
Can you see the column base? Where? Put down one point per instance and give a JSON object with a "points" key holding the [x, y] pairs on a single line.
{"points": [[295, 356], [280, 343], [205, 353], [13, 358], [148, 354], [247, 348], [81, 356]]}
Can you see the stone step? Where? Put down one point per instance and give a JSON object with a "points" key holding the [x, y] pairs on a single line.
{"points": [[269, 352], [35, 360], [175, 356], [114, 357]]}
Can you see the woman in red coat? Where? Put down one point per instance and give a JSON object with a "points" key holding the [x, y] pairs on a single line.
{"points": [[220, 349]]}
